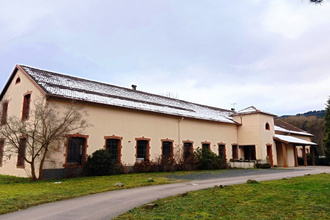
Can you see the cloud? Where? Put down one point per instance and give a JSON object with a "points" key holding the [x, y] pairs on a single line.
{"points": [[271, 54]]}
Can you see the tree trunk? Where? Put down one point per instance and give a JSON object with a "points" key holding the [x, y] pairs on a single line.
{"points": [[33, 171], [42, 162]]}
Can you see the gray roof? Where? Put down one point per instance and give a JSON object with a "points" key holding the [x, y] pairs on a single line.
{"points": [[65, 86]]}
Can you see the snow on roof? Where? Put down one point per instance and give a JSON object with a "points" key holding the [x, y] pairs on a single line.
{"points": [[277, 128], [60, 85], [292, 140], [252, 110]]}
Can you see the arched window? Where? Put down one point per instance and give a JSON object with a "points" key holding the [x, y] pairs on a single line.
{"points": [[18, 80], [267, 127]]}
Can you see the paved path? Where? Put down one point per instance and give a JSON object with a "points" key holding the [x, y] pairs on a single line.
{"points": [[110, 204]]}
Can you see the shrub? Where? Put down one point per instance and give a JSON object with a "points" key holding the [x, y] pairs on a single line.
{"points": [[209, 160], [265, 165], [309, 160], [145, 166], [322, 161], [188, 164], [100, 164], [300, 161], [251, 181], [165, 164]]}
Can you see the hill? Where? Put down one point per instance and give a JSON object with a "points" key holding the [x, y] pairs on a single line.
{"points": [[317, 113]]}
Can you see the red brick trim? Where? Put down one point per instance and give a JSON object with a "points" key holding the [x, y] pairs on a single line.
{"points": [[29, 78], [270, 146]]}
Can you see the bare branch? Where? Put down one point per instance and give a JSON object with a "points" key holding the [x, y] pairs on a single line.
{"points": [[47, 125]]}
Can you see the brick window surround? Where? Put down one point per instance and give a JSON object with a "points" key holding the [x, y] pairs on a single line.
{"points": [[142, 149], [110, 143], [76, 150], [26, 106], [167, 148]]}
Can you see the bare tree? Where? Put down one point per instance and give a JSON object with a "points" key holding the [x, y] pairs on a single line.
{"points": [[171, 95], [35, 138], [316, 1]]}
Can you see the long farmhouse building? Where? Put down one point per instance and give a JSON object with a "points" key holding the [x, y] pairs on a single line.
{"points": [[134, 125]]}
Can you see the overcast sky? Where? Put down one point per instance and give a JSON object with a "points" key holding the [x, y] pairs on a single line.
{"points": [[274, 55]]}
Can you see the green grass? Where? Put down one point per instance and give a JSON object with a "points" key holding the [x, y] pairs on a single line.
{"points": [[305, 197], [20, 193]]}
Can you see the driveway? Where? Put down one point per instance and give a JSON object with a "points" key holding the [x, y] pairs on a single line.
{"points": [[111, 204]]}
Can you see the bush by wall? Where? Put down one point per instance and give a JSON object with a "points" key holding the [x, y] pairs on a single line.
{"points": [[100, 164], [209, 160]]}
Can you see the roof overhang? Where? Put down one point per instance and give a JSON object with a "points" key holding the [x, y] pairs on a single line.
{"points": [[292, 140]]}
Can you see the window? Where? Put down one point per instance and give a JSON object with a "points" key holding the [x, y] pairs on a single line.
{"points": [[142, 150], [76, 151], [18, 80], [167, 149], [235, 152], [113, 148], [21, 152], [26, 107], [4, 113], [267, 127], [187, 150], [206, 146], [222, 151], [2, 144]]}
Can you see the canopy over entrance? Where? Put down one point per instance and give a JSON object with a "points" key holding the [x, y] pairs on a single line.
{"points": [[287, 141], [292, 140]]}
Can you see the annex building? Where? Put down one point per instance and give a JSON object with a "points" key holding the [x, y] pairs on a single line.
{"points": [[134, 125]]}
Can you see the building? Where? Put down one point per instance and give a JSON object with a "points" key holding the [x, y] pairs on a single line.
{"points": [[135, 125]]}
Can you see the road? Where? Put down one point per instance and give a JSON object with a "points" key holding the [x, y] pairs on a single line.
{"points": [[111, 204]]}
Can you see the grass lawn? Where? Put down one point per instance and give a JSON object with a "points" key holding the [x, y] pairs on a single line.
{"points": [[20, 193], [305, 197]]}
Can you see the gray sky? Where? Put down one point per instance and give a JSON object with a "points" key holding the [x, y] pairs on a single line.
{"points": [[270, 54]]}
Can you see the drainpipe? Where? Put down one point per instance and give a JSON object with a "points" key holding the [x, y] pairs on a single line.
{"points": [[179, 134]]}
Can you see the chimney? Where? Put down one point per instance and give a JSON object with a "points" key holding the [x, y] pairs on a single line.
{"points": [[134, 87]]}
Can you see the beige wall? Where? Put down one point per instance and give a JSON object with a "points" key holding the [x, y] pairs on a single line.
{"points": [[253, 132], [130, 124], [15, 96]]}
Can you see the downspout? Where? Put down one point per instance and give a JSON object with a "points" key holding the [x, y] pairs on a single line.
{"points": [[238, 149], [179, 134]]}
